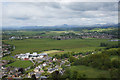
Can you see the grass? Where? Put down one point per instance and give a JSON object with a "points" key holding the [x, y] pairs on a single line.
{"points": [[33, 33], [72, 45], [8, 58], [51, 51], [26, 33], [20, 63], [58, 31], [90, 72], [63, 31], [99, 30]]}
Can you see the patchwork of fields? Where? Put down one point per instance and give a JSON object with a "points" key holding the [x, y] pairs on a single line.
{"points": [[54, 46], [72, 45]]}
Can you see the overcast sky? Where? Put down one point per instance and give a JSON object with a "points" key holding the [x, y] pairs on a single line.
{"points": [[58, 13]]}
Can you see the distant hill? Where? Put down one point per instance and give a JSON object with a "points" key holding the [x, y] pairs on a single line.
{"points": [[60, 27]]}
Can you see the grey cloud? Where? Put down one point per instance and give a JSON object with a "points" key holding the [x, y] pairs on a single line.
{"points": [[55, 13], [43, 4], [21, 18], [93, 6]]}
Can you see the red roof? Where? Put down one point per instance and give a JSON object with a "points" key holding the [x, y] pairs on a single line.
{"points": [[26, 59]]}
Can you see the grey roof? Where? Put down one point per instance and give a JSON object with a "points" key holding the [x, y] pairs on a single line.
{"points": [[42, 54], [43, 77], [37, 74]]}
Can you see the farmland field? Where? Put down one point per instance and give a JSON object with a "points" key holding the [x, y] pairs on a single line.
{"points": [[99, 30], [38, 45], [20, 63], [52, 51], [8, 58]]}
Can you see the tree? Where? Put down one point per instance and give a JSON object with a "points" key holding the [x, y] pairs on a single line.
{"points": [[72, 59], [33, 77], [21, 70], [103, 44], [55, 76], [67, 74], [115, 73], [116, 63]]}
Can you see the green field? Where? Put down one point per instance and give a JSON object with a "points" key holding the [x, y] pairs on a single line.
{"points": [[72, 45], [20, 63], [51, 51], [90, 72], [8, 58], [33, 33], [99, 30]]}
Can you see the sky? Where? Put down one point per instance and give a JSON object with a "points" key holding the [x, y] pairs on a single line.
{"points": [[58, 13]]}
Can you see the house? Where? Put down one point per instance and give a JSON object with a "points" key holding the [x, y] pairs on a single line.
{"points": [[54, 59], [93, 53], [17, 78], [12, 71], [67, 65], [41, 71], [36, 69], [40, 66], [31, 73], [27, 68], [44, 64], [17, 74], [4, 62], [37, 74], [12, 37], [115, 40], [3, 68], [43, 78], [28, 76], [17, 69], [52, 70], [61, 72], [4, 71], [26, 58], [9, 76]]}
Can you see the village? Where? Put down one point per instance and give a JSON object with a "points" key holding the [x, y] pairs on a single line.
{"points": [[42, 67], [63, 36], [43, 64]]}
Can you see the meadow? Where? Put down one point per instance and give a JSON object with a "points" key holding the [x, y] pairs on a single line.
{"points": [[90, 72], [72, 45]]}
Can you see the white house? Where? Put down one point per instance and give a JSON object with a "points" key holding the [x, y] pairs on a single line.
{"points": [[44, 64], [31, 56]]}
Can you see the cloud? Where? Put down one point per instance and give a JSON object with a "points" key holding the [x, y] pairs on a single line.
{"points": [[58, 13], [21, 18], [93, 6]]}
